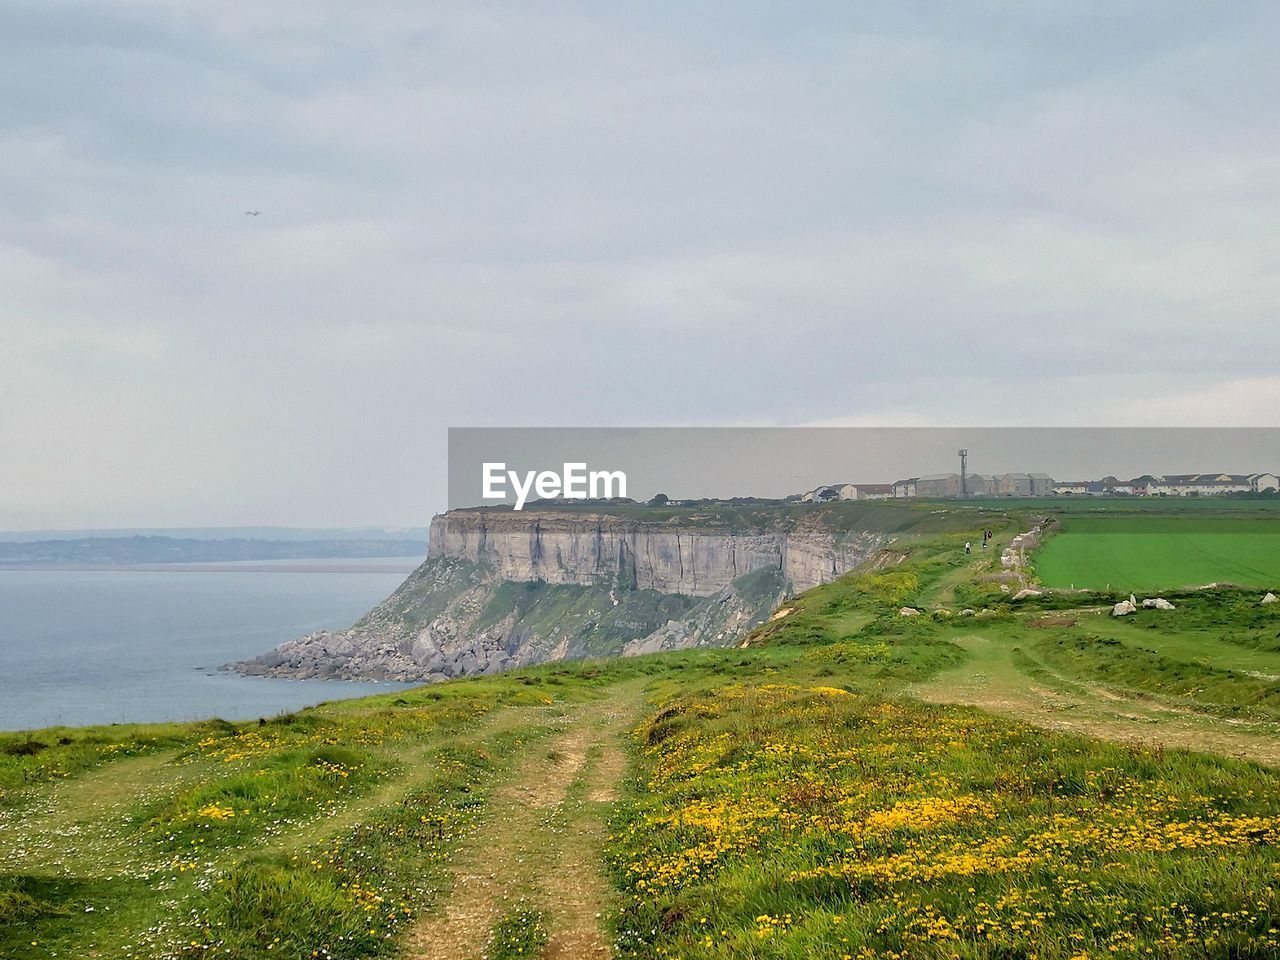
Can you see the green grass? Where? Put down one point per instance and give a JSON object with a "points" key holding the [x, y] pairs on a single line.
{"points": [[1144, 554], [786, 800], [783, 821], [520, 935]]}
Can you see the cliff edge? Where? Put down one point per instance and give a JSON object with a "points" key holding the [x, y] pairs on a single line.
{"points": [[501, 589]]}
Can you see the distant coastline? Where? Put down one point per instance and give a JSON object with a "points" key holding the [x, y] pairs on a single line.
{"points": [[250, 566], [104, 553]]}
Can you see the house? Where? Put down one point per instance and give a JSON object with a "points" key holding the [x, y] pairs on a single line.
{"points": [[1106, 487], [905, 488], [1141, 486], [938, 485], [1200, 484], [979, 485], [821, 495], [1071, 488], [1262, 482], [1041, 484], [1013, 485], [866, 491]]}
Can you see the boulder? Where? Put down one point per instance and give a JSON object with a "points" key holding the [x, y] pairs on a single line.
{"points": [[968, 612], [1124, 608], [1271, 598], [1133, 601], [1023, 594], [908, 612], [1157, 603]]}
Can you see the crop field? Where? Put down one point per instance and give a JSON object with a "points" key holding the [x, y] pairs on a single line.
{"points": [[1157, 553]]}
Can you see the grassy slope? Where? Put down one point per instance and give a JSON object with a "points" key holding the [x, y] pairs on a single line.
{"points": [[782, 806], [792, 821]]}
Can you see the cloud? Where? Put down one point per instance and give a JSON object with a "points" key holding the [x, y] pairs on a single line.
{"points": [[488, 214]]}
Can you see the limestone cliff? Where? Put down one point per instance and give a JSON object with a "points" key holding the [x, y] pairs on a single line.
{"points": [[503, 588], [671, 558]]}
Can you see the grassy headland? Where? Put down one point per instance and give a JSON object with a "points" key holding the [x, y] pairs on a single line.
{"points": [[824, 791]]}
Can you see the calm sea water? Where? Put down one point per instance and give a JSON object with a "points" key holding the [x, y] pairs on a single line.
{"points": [[89, 647]]}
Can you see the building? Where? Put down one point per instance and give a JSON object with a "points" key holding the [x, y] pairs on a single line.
{"points": [[821, 495], [979, 485], [1198, 485], [867, 491], [1013, 485], [1262, 482], [905, 488], [1041, 484], [1071, 488], [938, 485], [1141, 486]]}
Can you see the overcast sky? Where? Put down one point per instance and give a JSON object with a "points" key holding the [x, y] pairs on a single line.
{"points": [[607, 214]]}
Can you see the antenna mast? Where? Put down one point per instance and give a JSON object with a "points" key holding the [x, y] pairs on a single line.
{"points": [[964, 472]]}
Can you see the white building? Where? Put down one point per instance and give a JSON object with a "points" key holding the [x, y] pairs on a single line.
{"points": [[867, 491], [1262, 482], [1198, 485], [1075, 488]]}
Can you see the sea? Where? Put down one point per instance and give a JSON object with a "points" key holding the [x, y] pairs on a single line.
{"points": [[143, 644]]}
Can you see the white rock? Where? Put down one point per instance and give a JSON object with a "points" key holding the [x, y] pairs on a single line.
{"points": [[1271, 598], [908, 612], [1133, 601], [1163, 604], [1023, 594], [1124, 608]]}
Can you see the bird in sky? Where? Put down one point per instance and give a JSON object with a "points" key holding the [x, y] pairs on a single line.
{"points": [[253, 213]]}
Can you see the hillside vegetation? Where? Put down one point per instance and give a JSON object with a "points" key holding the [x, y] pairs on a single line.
{"points": [[828, 790]]}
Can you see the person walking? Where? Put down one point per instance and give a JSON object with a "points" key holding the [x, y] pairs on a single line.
{"points": [[967, 548]]}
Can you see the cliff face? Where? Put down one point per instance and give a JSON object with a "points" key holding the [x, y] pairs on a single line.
{"points": [[591, 548], [502, 589]]}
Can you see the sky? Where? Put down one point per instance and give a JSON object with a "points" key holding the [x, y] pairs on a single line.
{"points": [[478, 214]]}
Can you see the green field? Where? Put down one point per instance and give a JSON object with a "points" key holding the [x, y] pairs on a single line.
{"points": [[1154, 553]]}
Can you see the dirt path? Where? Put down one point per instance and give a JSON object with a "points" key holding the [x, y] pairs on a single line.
{"points": [[539, 846], [991, 680]]}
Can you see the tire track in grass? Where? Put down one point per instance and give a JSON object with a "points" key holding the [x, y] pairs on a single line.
{"points": [[575, 890], [990, 680], [539, 846]]}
